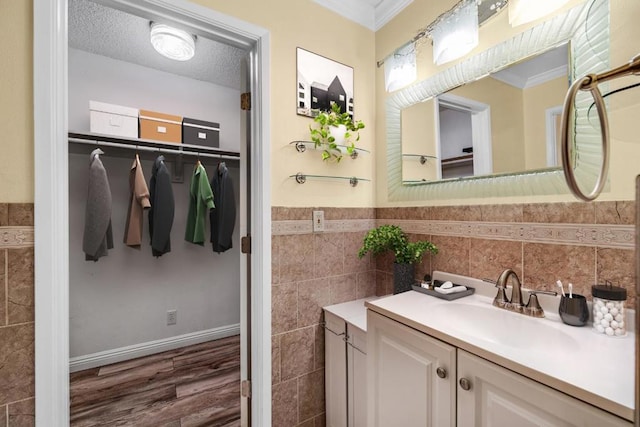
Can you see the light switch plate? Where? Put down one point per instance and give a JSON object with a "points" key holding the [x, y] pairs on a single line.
{"points": [[318, 221]]}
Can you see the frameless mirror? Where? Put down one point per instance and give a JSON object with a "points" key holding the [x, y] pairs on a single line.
{"points": [[415, 154], [506, 122]]}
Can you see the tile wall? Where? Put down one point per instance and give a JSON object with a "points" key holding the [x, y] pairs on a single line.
{"points": [[16, 315], [577, 242]]}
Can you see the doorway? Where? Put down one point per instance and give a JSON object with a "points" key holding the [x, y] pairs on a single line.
{"points": [[52, 198], [463, 137]]}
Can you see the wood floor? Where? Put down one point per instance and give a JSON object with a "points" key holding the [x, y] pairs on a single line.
{"points": [[192, 386]]}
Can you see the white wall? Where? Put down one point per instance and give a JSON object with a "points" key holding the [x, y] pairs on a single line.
{"points": [[123, 298], [455, 132], [98, 78]]}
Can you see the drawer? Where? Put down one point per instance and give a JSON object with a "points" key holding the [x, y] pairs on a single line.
{"points": [[200, 132], [112, 119], [160, 126]]}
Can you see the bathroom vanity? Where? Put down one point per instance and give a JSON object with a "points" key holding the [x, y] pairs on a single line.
{"points": [[346, 363], [468, 363]]}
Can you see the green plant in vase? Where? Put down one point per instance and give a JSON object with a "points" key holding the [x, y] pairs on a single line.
{"points": [[333, 130], [406, 254]]}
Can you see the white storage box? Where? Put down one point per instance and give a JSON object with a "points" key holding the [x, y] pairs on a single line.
{"points": [[111, 119]]}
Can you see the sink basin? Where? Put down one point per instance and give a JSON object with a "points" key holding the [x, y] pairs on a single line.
{"points": [[504, 327]]}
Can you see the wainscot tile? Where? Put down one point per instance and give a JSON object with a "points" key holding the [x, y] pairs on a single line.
{"points": [[318, 347], [617, 266], [17, 368], [311, 395], [489, 258], [296, 258], [569, 213], [343, 288], [4, 221], [297, 353], [275, 259], [284, 308], [544, 264], [366, 284], [284, 214], [384, 283], [328, 251], [3, 295], [312, 296], [622, 212], [352, 244], [3, 416], [21, 214], [22, 414], [275, 359], [320, 420], [456, 213], [285, 404], [501, 213], [20, 285], [453, 255]]}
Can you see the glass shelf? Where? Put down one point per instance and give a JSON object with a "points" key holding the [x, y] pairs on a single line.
{"points": [[415, 182], [421, 157], [301, 178], [301, 147]]}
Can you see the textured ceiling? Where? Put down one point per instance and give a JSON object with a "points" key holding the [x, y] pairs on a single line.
{"points": [[104, 31]]}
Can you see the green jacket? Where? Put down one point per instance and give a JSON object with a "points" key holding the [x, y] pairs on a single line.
{"points": [[200, 199]]}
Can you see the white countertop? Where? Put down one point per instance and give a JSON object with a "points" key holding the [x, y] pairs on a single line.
{"points": [[353, 312], [576, 360]]}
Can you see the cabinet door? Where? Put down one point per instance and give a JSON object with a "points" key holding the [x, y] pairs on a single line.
{"points": [[335, 371], [357, 372], [498, 397], [404, 387]]}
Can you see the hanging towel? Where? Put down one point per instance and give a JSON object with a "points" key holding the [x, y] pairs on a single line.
{"points": [[223, 215], [162, 208], [98, 236], [138, 202], [200, 199]]}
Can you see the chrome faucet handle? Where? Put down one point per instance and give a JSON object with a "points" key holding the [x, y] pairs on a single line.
{"points": [[501, 299], [533, 307]]}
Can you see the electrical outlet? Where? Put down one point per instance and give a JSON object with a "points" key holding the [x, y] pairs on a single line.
{"points": [[172, 317], [318, 221]]}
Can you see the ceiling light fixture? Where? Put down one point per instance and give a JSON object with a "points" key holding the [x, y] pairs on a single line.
{"points": [[456, 33], [523, 11], [172, 43]]}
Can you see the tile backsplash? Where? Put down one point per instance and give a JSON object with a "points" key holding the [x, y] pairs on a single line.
{"points": [[17, 387], [575, 242]]}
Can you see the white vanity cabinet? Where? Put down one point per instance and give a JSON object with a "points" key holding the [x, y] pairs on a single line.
{"points": [[492, 396], [418, 380], [335, 361], [411, 375], [346, 364]]}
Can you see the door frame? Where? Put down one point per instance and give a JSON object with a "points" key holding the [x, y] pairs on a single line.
{"points": [[480, 129], [50, 52]]}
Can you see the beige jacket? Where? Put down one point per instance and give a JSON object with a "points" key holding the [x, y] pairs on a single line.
{"points": [[138, 202]]}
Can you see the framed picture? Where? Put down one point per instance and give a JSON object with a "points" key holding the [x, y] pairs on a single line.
{"points": [[322, 82]]}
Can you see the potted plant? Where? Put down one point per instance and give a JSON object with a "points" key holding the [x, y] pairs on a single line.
{"points": [[335, 128], [391, 238]]}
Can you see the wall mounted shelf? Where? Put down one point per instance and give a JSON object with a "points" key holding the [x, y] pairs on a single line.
{"points": [[301, 178], [457, 161], [301, 147], [422, 158]]}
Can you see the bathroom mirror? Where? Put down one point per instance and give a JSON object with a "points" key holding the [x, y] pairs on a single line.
{"points": [[506, 122], [584, 28]]}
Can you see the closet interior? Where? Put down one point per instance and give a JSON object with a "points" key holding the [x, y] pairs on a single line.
{"points": [[130, 303]]}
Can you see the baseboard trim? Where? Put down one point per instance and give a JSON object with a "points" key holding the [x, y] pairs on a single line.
{"points": [[108, 357]]}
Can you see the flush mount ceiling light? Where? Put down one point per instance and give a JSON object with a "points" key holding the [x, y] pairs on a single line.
{"points": [[173, 43], [456, 34], [523, 11]]}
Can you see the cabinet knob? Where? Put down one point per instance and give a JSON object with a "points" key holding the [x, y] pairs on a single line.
{"points": [[465, 384], [441, 372]]}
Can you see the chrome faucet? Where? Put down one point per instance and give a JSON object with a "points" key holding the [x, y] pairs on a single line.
{"points": [[532, 308]]}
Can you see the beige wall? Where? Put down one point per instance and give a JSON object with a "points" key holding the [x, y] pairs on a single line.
{"points": [[507, 122], [16, 102], [536, 102], [418, 137], [291, 24], [625, 146]]}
